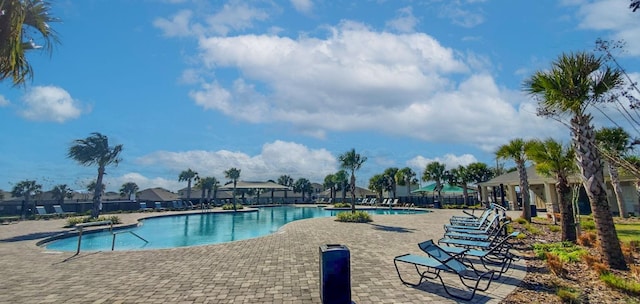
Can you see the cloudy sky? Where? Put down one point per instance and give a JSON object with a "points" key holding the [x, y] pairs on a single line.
{"points": [[284, 87]]}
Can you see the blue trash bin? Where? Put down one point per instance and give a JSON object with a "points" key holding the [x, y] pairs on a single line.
{"points": [[335, 274]]}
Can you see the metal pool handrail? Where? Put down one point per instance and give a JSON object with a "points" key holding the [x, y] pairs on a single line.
{"points": [[80, 228]]}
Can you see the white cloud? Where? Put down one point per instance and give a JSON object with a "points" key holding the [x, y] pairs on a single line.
{"points": [[405, 22], [614, 16], [462, 14], [276, 158], [303, 6], [234, 16], [143, 182], [177, 26], [3, 101], [50, 103]]}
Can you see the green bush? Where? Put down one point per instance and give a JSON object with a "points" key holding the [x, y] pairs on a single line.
{"points": [[566, 251], [357, 217], [568, 295], [554, 228], [230, 206], [72, 221], [341, 205], [613, 281], [588, 225]]}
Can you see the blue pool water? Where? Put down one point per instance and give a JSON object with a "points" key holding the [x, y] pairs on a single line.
{"points": [[201, 229]]}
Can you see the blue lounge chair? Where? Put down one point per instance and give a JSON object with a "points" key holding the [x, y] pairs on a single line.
{"points": [[158, 206], [58, 209], [41, 210], [439, 260], [498, 255], [143, 207]]}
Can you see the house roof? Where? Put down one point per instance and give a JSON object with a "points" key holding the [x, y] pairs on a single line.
{"points": [[513, 178], [255, 185], [157, 194]]}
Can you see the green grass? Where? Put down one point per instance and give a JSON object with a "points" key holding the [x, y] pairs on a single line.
{"points": [[568, 295], [566, 251], [628, 232], [627, 286]]}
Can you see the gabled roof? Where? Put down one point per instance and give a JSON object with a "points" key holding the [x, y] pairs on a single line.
{"points": [[156, 194]]}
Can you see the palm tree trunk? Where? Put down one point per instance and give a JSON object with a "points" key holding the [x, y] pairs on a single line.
{"points": [[189, 190], [97, 194], [566, 209], [524, 191], [590, 165], [615, 181], [353, 192], [465, 194]]}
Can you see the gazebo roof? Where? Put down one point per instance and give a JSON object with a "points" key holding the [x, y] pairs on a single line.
{"points": [[255, 185]]}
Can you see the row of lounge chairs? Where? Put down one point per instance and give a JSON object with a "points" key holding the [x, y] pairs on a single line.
{"points": [[42, 211], [468, 242], [175, 205]]}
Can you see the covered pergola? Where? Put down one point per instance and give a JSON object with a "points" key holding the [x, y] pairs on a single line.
{"points": [[248, 185]]}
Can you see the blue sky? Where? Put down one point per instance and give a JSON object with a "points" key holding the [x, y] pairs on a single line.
{"points": [[284, 87]]}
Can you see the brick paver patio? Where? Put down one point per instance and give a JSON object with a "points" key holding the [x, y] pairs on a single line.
{"points": [[279, 268]]}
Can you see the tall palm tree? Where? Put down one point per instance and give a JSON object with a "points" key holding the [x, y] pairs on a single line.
{"points": [[614, 143], [26, 189], [60, 192], [233, 174], [460, 177], [434, 171], [390, 176], [302, 185], [286, 181], [22, 23], [329, 183], [95, 150], [574, 82], [553, 160], [187, 176], [208, 185], [352, 161], [479, 173], [514, 150], [377, 184], [406, 177], [128, 189], [341, 179]]}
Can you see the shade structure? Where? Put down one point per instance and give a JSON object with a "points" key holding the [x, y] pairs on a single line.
{"points": [[446, 188], [255, 185]]}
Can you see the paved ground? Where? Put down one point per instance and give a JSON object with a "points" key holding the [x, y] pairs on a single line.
{"points": [[279, 268]]}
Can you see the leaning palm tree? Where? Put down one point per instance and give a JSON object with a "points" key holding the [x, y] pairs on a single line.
{"points": [[352, 161], [26, 189], [187, 176], [434, 171], [514, 150], [95, 150], [233, 174], [60, 192], [574, 82], [552, 159], [128, 189], [614, 143], [22, 23]]}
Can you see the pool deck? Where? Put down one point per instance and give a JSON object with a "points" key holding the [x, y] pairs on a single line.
{"points": [[278, 268]]}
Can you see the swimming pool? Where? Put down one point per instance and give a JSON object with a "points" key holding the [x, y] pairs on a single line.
{"points": [[201, 229]]}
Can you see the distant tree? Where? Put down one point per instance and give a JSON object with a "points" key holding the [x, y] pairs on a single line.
{"points": [[479, 173], [22, 24], [128, 189], [390, 177], [435, 171], [60, 192], [91, 187], [615, 142], [377, 184], [461, 177], [95, 150], [187, 176], [352, 161], [286, 181], [341, 179], [233, 174], [406, 177], [208, 185], [575, 82], [26, 189], [553, 160], [514, 150], [330, 183], [302, 185]]}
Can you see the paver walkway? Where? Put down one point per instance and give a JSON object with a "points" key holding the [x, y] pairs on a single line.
{"points": [[279, 268]]}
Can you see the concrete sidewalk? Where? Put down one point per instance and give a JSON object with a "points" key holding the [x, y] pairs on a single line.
{"points": [[279, 268]]}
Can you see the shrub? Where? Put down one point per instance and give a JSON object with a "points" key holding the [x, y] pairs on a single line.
{"points": [[588, 225], [521, 221], [554, 228], [566, 251], [532, 229], [590, 260], [587, 239], [568, 295], [341, 205], [621, 284], [72, 221], [628, 250], [635, 271], [230, 206], [556, 266], [357, 217], [600, 268]]}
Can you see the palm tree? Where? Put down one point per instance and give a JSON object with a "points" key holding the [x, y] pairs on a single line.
{"points": [[479, 173], [460, 177], [95, 150], [233, 174], [434, 171], [19, 21], [406, 176], [91, 187], [553, 160], [329, 183], [286, 181], [128, 189], [514, 150], [341, 179], [187, 176], [60, 192], [302, 185], [614, 143], [26, 189], [574, 82], [390, 176], [352, 161], [208, 185], [377, 184]]}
